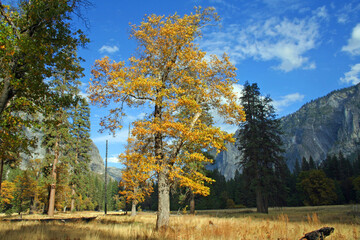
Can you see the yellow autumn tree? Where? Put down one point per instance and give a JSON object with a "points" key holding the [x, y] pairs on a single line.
{"points": [[175, 79], [7, 195], [136, 176]]}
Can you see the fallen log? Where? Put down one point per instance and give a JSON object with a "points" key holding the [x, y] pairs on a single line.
{"points": [[63, 220], [320, 234]]}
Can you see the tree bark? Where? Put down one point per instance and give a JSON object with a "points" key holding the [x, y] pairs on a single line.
{"points": [[1, 172], [72, 208], [53, 185], [133, 208], [192, 202], [6, 95], [261, 201], [163, 214]]}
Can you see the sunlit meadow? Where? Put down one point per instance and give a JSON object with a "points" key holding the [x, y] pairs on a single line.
{"points": [[280, 224]]}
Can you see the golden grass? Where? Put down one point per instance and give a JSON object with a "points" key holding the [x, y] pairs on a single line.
{"points": [[281, 224]]}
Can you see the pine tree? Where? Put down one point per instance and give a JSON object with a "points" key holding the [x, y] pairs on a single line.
{"points": [[261, 145], [80, 145], [305, 165], [58, 139], [297, 168], [312, 164]]}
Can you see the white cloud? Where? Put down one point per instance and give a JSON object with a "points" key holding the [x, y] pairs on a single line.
{"points": [[238, 89], [353, 76], [114, 158], [108, 49], [346, 12], [353, 46], [342, 19], [285, 41], [287, 100], [321, 12]]}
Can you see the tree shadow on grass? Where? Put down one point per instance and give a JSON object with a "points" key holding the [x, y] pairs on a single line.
{"points": [[72, 231]]}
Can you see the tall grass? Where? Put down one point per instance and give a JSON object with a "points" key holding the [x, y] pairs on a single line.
{"points": [[279, 224]]}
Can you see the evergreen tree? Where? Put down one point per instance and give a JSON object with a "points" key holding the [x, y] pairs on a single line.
{"points": [[261, 145], [312, 164], [58, 139], [55, 140], [305, 165], [297, 168], [81, 142]]}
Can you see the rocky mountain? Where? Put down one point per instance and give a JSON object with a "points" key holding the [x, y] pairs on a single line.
{"points": [[115, 173], [226, 162], [96, 164], [324, 126]]}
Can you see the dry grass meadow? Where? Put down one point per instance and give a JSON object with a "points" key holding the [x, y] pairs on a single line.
{"points": [[279, 224]]}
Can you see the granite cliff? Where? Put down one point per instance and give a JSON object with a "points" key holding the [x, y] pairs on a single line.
{"points": [[324, 126]]}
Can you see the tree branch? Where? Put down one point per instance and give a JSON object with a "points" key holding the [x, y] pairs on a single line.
{"points": [[13, 26], [181, 142]]}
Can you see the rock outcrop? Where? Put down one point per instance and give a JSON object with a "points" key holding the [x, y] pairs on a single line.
{"points": [[227, 162], [96, 162]]}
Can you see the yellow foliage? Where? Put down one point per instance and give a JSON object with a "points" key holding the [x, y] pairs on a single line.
{"points": [[135, 178], [7, 191]]}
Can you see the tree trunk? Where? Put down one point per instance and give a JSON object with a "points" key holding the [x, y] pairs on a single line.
{"points": [[163, 214], [53, 185], [261, 201], [34, 205], [72, 208], [192, 202], [52, 200], [1, 172], [5, 95], [133, 208]]}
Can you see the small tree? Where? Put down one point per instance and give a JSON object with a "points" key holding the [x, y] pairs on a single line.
{"points": [[136, 176], [24, 191], [317, 189], [7, 195], [356, 183]]}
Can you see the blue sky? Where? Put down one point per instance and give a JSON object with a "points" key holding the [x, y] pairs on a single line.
{"points": [[295, 50]]}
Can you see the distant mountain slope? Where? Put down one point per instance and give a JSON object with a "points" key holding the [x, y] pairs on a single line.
{"points": [[324, 126], [96, 163]]}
